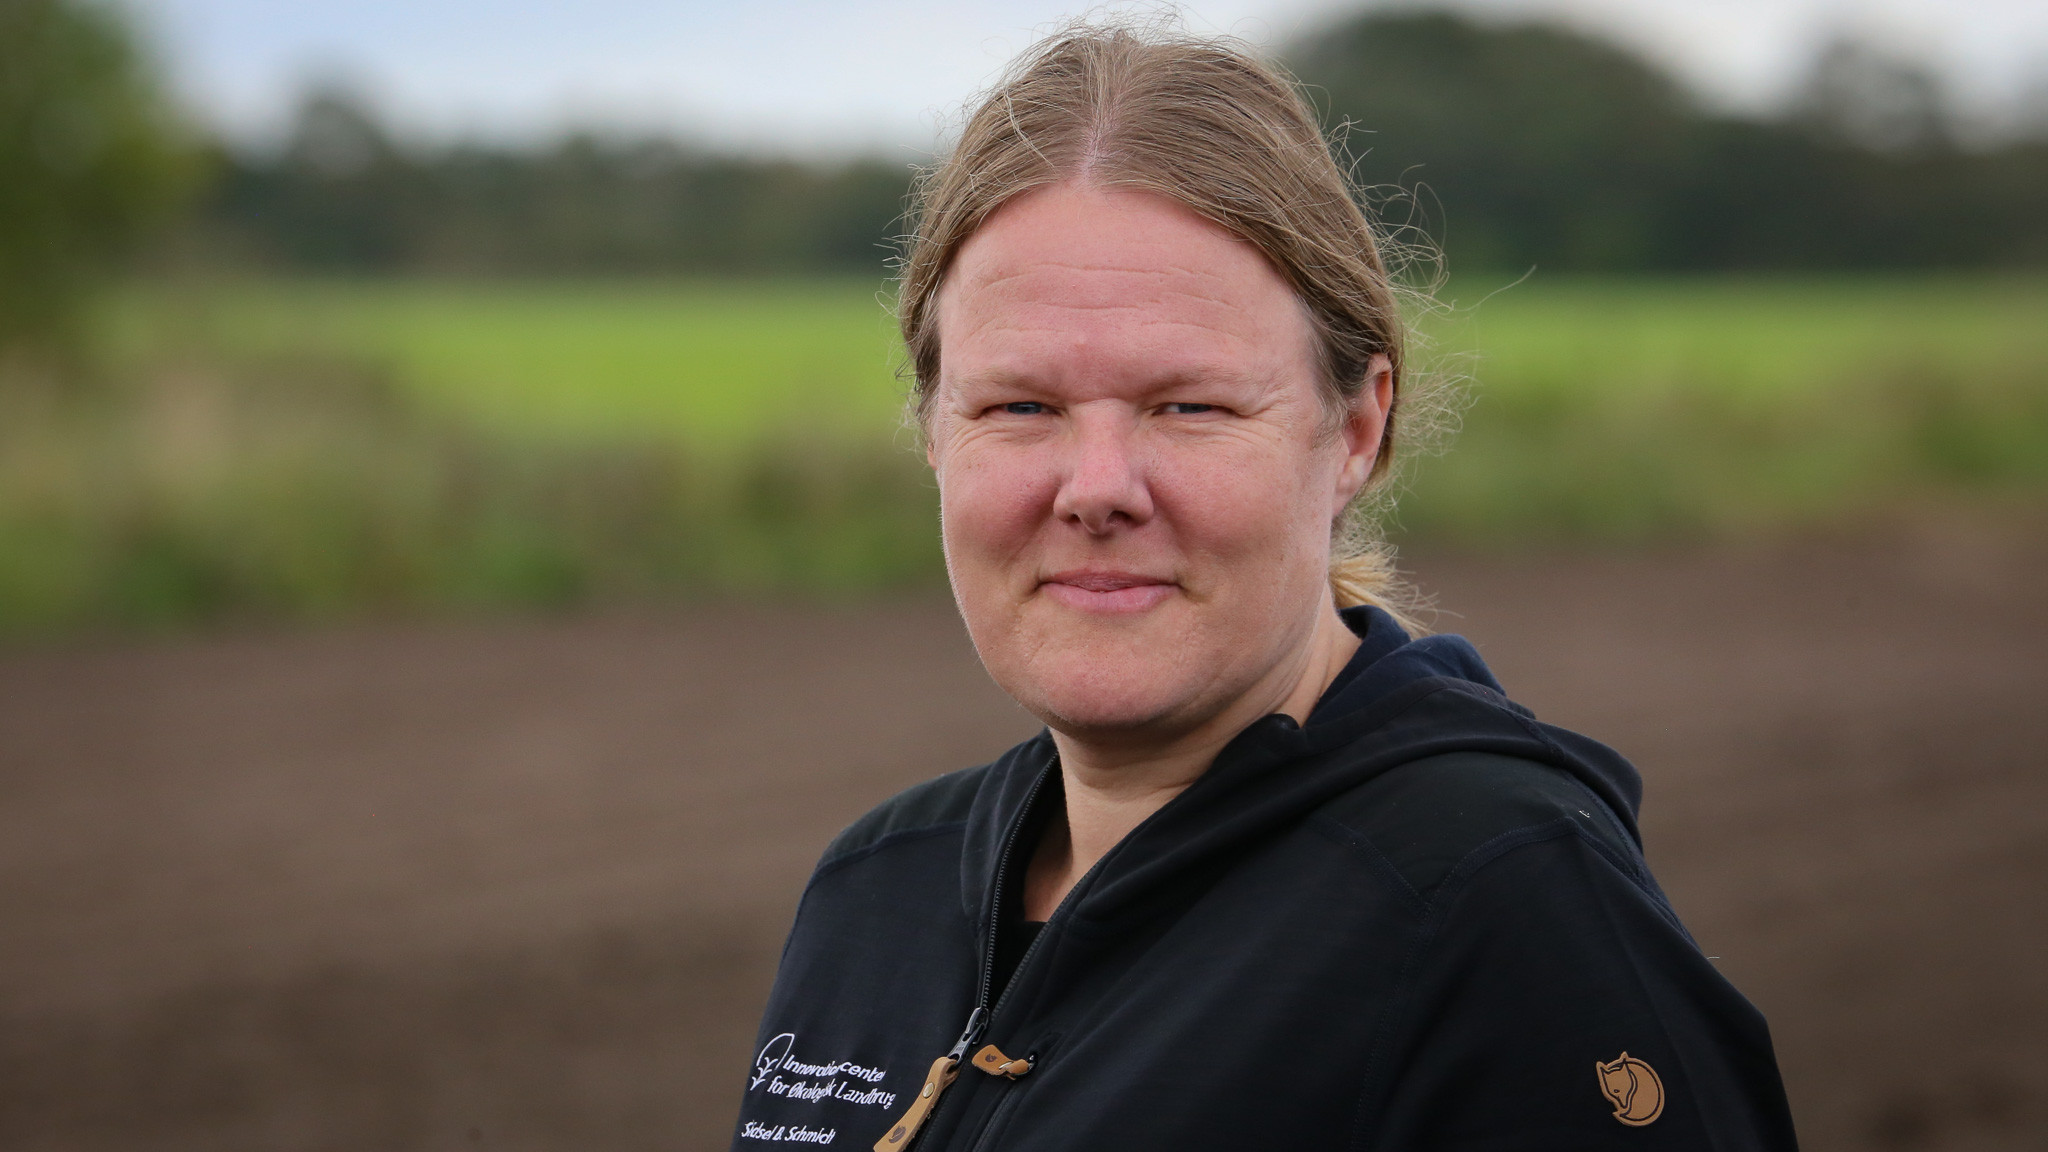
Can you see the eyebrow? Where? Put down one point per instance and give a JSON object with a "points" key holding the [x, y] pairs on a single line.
{"points": [[1003, 378]]}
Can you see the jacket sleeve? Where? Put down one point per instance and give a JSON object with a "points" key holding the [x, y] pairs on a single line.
{"points": [[1556, 1003]]}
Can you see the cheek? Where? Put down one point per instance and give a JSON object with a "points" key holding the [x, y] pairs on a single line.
{"points": [[1261, 506], [990, 500]]}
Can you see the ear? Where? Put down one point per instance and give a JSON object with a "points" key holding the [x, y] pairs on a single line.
{"points": [[1363, 427]]}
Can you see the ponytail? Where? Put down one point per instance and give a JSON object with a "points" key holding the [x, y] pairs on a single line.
{"points": [[1364, 573]]}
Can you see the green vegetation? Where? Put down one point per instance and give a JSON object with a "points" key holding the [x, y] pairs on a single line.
{"points": [[295, 450], [309, 489], [1626, 409], [91, 162], [1536, 144], [715, 366], [291, 448]]}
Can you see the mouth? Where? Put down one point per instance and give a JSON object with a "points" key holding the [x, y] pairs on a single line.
{"points": [[1105, 591]]}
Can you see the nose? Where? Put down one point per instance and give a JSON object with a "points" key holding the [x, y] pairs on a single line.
{"points": [[1105, 486]]}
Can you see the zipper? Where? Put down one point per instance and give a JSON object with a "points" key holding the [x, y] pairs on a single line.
{"points": [[995, 913], [943, 1072], [946, 1068]]}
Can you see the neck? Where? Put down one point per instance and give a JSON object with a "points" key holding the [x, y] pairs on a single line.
{"points": [[1113, 785]]}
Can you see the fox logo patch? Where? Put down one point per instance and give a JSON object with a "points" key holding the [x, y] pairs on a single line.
{"points": [[1633, 1088]]}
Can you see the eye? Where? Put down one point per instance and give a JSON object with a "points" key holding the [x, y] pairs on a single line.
{"points": [[1024, 408], [1183, 408]]}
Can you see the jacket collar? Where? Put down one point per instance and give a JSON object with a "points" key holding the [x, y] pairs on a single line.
{"points": [[1399, 699]]}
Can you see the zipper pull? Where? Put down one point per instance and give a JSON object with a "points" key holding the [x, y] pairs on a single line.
{"points": [[943, 1072], [992, 1061]]}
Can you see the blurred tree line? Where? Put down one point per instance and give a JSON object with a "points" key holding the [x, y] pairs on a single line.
{"points": [[1532, 144], [1513, 145], [342, 195]]}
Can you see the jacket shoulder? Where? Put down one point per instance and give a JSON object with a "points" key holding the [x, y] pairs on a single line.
{"points": [[1429, 814], [933, 806]]}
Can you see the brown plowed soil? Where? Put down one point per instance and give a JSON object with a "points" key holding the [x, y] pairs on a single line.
{"points": [[521, 885]]}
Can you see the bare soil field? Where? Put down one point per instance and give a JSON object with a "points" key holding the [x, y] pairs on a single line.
{"points": [[521, 885]]}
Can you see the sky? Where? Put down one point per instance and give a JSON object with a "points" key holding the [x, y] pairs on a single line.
{"points": [[883, 75]]}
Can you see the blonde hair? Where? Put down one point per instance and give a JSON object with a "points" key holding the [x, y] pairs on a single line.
{"points": [[1208, 124]]}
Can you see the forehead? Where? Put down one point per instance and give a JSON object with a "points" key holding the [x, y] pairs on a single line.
{"points": [[1105, 276]]}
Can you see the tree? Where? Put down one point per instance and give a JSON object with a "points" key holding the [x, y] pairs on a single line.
{"points": [[1536, 145], [92, 161], [1541, 145], [345, 195], [1862, 96]]}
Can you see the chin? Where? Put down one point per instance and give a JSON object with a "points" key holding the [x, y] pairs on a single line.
{"points": [[1102, 692], [1102, 719]]}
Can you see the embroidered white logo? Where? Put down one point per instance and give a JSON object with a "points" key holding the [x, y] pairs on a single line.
{"points": [[780, 1073], [771, 1056], [788, 1133]]}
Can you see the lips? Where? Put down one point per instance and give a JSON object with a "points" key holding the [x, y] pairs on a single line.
{"points": [[1095, 590]]}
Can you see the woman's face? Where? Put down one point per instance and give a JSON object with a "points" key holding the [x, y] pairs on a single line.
{"points": [[1137, 473]]}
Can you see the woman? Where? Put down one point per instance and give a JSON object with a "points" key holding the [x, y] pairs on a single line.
{"points": [[1276, 875]]}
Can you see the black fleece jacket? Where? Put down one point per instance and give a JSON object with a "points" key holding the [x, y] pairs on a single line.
{"points": [[1421, 921]]}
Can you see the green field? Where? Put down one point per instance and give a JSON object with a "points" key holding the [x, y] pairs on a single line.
{"points": [[304, 449], [1624, 409], [709, 365], [712, 363], [1594, 408]]}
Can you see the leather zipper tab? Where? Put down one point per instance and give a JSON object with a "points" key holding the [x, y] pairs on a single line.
{"points": [[943, 1072], [992, 1061]]}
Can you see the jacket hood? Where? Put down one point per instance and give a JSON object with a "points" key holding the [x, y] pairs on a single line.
{"points": [[1398, 700]]}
